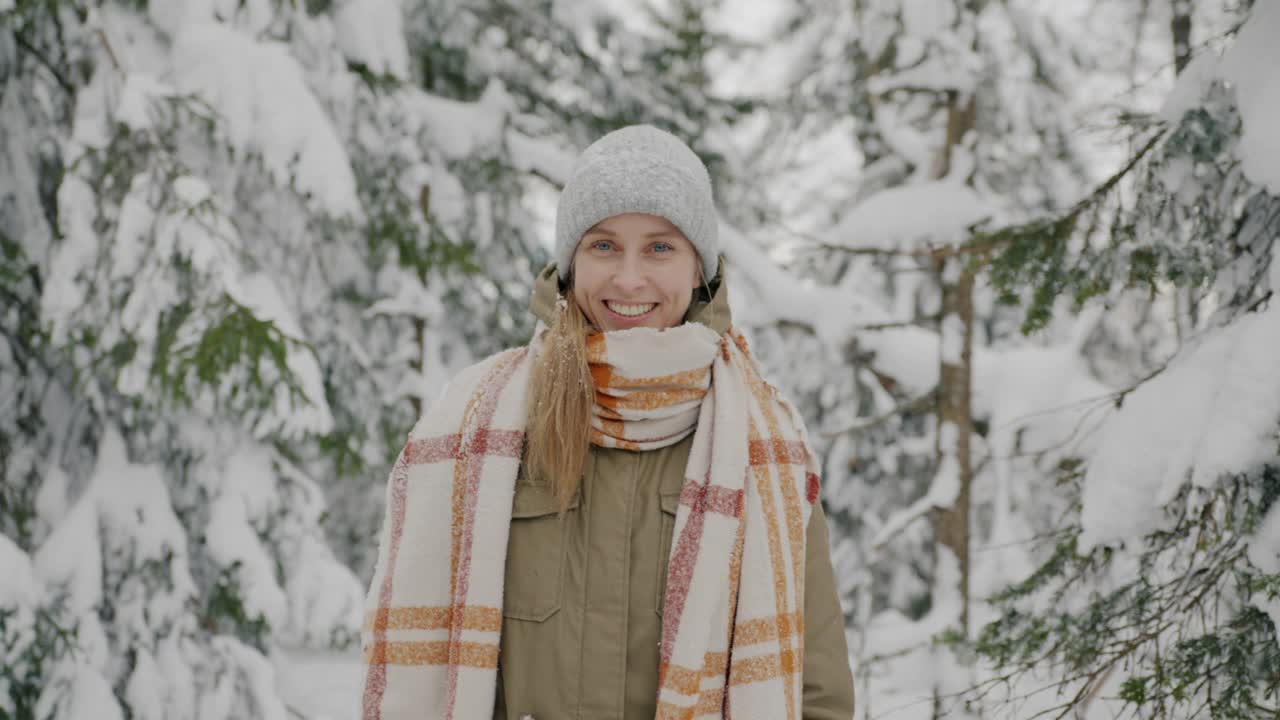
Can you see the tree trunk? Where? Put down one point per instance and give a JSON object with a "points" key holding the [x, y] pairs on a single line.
{"points": [[955, 419], [419, 323], [1181, 27], [955, 425]]}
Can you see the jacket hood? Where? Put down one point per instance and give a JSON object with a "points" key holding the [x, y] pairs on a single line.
{"points": [[713, 312]]}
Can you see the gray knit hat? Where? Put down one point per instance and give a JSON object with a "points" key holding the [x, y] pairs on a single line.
{"points": [[638, 169]]}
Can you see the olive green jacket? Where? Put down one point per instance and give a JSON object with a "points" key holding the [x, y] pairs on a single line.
{"points": [[582, 605]]}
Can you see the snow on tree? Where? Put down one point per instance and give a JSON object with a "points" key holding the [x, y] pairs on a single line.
{"points": [[1160, 598], [941, 135], [1037, 402], [244, 243], [184, 222]]}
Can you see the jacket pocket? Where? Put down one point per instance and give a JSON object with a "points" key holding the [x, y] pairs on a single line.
{"points": [[669, 502], [535, 554]]}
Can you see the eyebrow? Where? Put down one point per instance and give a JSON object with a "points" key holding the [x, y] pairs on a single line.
{"points": [[648, 236]]}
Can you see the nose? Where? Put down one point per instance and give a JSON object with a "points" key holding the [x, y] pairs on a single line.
{"points": [[630, 276]]}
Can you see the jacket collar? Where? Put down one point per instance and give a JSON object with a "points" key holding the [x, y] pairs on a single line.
{"points": [[713, 313]]}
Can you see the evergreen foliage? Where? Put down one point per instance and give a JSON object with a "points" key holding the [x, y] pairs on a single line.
{"points": [[243, 244]]}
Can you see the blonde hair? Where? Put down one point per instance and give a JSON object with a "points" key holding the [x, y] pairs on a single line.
{"points": [[560, 400], [561, 397]]}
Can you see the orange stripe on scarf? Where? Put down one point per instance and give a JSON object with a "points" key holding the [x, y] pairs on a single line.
{"points": [[486, 619], [409, 652], [640, 411]]}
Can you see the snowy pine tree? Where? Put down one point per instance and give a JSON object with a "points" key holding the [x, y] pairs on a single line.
{"points": [[179, 193], [243, 243], [1160, 597]]}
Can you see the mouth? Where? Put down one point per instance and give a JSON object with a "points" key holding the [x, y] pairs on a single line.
{"points": [[630, 311]]}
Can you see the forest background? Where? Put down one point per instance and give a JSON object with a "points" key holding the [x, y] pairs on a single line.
{"points": [[1013, 259]]}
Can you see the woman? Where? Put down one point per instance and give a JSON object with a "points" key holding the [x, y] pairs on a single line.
{"points": [[618, 521]]}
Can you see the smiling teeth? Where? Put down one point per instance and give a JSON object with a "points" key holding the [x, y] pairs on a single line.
{"points": [[631, 310]]}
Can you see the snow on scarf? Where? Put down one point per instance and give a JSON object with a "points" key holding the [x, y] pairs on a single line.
{"points": [[732, 626]]}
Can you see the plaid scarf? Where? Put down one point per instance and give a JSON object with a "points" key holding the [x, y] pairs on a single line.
{"points": [[732, 626], [649, 385]]}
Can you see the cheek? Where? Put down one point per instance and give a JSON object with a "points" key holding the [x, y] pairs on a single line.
{"points": [[586, 272], [679, 297], [581, 299]]}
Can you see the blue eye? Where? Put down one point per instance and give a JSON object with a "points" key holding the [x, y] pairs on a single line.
{"points": [[601, 245], [663, 247]]}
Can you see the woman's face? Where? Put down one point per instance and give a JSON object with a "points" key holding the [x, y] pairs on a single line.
{"points": [[634, 270]]}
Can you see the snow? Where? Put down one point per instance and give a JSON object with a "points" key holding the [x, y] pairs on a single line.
{"points": [[1250, 65], [1030, 417], [64, 292], [133, 230], [909, 354], [144, 246], [259, 293], [138, 521], [123, 515], [51, 500], [767, 71], [942, 492], [895, 127], [133, 502], [952, 334], [766, 293], [960, 72], [253, 16], [909, 664], [20, 595], [462, 129], [1190, 89], [448, 196], [540, 155], [207, 239], [925, 19], [198, 231], [325, 597], [70, 558], [21, 587], [142, 693], [135, 106], [748, 20], [250, 676], [911, 217], [818, 173], [1264, 554], [177, 674], [80, 693], [411, 300], [244, 502], [91, 124], [1213, 410], [266, 107], [371, 32], [161, 685], [320, 685], [260, 677], [296, 107]]}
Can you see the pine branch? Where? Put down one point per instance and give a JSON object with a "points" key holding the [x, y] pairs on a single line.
{"points": [[57, 74], [920, 403], [984, 243]]}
